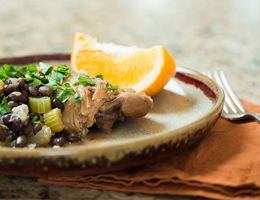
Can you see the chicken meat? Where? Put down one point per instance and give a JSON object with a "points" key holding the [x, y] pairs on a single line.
{"points": [[103, 107]]}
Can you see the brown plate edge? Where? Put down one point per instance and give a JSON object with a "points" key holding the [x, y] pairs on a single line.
{"points": [[32, 166]]}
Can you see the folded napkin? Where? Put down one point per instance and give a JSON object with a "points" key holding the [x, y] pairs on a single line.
{"points": [[225, 165]]}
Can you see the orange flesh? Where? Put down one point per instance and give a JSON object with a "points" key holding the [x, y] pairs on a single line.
{"points": [[131, 68], [144, 70]]}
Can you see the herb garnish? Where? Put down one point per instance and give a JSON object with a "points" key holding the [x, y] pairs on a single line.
{"points": [[77, 97], [36, 82], [52, 76], [100, 76], [28, 69], [66, 92], [36, 120], [63, 69], [8, 71], [45, 68], [112, 87], [85, 80], [11, 71], [45, 74], [56, 78], [4, 107], [59, 75]]}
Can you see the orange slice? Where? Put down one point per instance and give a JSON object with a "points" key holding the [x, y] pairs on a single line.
{"points": [[144, 70]]}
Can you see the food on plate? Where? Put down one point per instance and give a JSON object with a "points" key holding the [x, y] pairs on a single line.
{"points": [[50, 105], [143, 69]]}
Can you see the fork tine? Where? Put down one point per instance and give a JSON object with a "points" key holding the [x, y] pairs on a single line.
{"points": [[228, 100], [233, 109], [235, 99], [226, 108]]}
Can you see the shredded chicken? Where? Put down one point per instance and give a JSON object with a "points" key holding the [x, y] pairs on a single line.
{"points": [[103, 107]]}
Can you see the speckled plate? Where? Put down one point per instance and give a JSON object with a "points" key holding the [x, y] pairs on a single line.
{"points": [[183, 113]]}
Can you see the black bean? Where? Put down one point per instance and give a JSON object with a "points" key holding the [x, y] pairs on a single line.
{"points": [[10, 136], [56, 103], [17, 125], [14, 96], [6, 119], [8, 81], [33, 91], [3, 133], [25, 87], [74, 137], [59, 141], [62, 133], [8, 89], [45, 91], [28, 130], [12, 104], [21, 83], [23, 97], [37, 128], [21, 141]]}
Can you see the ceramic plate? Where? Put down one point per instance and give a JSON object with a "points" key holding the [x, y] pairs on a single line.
{"points": [[183, 113]]}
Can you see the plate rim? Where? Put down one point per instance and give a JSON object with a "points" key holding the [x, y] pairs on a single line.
{"points": [[74, 152]]}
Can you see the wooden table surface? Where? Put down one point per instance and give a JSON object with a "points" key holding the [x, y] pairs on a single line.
{"points": [[201, 34]]}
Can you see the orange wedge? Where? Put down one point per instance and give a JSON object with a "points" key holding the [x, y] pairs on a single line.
{"points": [[144, 70]]}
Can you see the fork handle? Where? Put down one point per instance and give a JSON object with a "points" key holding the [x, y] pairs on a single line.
{"points": [[256, 117], [242, 118]]}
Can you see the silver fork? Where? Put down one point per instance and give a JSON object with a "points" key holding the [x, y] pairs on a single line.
{"points": [[233, 109]]}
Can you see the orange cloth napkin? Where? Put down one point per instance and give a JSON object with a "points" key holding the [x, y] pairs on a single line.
{"points": [[225, 165]]}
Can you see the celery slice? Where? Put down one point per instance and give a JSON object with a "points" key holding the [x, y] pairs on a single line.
{"points": [[42, 137], [40, 104], [53, 119]]}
